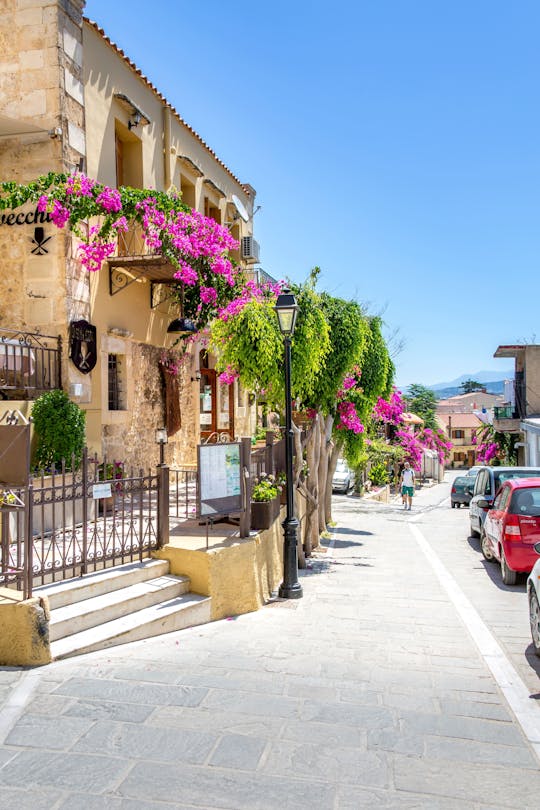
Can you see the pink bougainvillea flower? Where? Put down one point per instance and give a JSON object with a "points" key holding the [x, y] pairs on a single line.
{"points": [[208, 295], [228, 376]]}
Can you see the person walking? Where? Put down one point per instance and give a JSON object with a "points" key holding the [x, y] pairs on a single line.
{"points": [[407, 485]]}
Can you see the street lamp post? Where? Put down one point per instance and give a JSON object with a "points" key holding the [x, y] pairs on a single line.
{"points": [[286, 310], [161, 439]]}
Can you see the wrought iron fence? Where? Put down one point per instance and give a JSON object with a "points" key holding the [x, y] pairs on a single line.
{"points": [[76, 522], [183, 493], [30, 364]]}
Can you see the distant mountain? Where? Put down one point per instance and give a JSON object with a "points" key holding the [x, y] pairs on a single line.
{"points": [[486, 377], [496, 387]]}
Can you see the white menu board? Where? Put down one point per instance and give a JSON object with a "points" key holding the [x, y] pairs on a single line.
{"points": [[220, 488]]}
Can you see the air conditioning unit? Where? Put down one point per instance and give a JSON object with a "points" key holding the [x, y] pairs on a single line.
{"points": [[250, 249]]}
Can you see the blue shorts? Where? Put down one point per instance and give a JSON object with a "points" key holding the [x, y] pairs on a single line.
{"points": [[407, 491]]}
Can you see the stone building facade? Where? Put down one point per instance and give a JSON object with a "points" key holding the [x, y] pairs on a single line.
{"points": [[71, 99]]}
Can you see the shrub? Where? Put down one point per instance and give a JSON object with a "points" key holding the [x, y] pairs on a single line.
{"points": [[59, 426], [378, 474]]}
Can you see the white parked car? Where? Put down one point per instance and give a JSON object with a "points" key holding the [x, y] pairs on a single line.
{"points": [[343, 480], [533, 592]]}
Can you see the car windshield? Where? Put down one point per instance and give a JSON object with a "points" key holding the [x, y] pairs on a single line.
{"points": [[341, 466], [462, 480], [506, 475]]}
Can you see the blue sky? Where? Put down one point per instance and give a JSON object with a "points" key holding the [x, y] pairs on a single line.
{"points": [[396, 144]]}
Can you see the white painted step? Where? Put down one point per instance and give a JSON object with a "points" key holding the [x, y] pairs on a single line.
{"points": [[96, 583], [176, 614], [106, 607]]}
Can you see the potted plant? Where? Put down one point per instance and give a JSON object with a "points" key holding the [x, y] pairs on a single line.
{"points": [[264, 502], [111, 472]]}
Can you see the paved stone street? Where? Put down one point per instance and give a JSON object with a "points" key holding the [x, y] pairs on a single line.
{"points": [[371, 691]]}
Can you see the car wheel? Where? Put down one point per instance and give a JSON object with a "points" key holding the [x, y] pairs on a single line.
{"points": [[509, 577], [486, 550], [534, 617], [453, 505], [474, 532]]}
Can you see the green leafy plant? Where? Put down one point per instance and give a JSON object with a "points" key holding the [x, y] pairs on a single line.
{"points": [[60, 429], [7, 498], [378, 474], [265, 488], [111, 471]]}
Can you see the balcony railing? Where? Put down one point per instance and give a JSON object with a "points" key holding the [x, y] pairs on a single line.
{"points": [[504, 412], [30, 364]]}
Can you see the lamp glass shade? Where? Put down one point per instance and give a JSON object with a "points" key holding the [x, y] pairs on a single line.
{"points": [[286, 310], [161, 435]]}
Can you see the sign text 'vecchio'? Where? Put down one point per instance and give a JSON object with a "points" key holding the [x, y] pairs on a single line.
{"points": [[25, 218]]}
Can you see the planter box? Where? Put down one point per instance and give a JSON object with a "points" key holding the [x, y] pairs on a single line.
{"points": [[263, 513]]}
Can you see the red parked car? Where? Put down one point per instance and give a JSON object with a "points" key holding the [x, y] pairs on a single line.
{"points": [[512, 527]]}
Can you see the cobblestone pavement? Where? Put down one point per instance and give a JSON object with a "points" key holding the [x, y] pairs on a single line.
{"points": [[371, 691]]}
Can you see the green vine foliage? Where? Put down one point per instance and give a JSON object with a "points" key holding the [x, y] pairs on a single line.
{"points": [[311, 344], [376, 366], [251, 343], [60, 427], [376, 379], [348, 334]]}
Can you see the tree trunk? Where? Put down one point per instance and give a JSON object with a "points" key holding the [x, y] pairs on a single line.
{"points": [[297, 471], [326, 447], [313, 445], [334, 455]]}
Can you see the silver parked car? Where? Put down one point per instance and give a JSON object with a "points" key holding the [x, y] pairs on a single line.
{"points": [[343, 480], [487, 482]]}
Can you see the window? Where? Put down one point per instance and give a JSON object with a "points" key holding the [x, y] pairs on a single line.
{"points": [[501, 499], [458, 434], [116, 388], [212, 211], [128, 151], [187, 189], [481, 483]]}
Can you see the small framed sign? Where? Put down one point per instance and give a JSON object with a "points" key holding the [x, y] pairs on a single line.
{"points": [[101, 490]]}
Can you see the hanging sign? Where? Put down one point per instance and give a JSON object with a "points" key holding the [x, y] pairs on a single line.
{"points": [[83, 345]]}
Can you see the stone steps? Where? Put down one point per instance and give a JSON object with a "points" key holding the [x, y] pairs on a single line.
{"points": [[119, 605]]}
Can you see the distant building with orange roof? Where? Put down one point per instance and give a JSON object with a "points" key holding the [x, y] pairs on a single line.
{"points": [[461, 429]]}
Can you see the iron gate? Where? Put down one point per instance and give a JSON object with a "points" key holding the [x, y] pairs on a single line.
{"points": [[72, 523]]}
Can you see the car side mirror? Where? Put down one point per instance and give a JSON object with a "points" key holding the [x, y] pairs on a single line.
{"points": [[483, 504], [537, 548]]}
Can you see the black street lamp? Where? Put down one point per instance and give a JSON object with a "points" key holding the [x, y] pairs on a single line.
{"points": [[161, 439], [286, 310]]}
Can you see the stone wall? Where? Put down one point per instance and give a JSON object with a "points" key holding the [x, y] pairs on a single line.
{"points": [[41, 92], [133, 440]]}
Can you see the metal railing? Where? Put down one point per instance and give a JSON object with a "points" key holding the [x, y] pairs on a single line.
{"points": [[183, 491], [30, 363], [76, 522], [504, 412]]}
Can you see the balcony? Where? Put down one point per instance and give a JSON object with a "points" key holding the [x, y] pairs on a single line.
{"points": [[135, 260], [504, 412], [30, 364], [506, 418]]}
